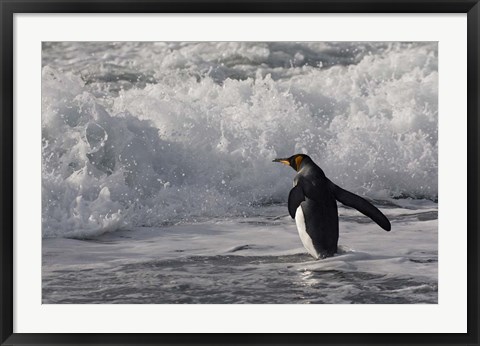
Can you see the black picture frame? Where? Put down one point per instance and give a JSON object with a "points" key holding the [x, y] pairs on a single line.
{"points": [[9, 7]]}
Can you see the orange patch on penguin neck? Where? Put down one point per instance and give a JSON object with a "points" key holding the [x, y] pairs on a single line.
{"points": [[298, 162]]}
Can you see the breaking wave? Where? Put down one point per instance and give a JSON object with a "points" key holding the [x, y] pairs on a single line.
{"points": [[143, 134]]}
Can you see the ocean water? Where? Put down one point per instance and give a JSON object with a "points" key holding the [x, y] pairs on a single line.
{"points": [[158, 185]]}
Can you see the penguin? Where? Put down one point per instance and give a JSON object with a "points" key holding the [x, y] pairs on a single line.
{"points": [[312, 202]]}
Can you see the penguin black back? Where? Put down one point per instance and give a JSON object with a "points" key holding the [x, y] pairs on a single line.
{"points": [[312, 203]]}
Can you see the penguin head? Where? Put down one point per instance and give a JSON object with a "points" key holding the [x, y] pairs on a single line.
{"points": [[294, 161]]}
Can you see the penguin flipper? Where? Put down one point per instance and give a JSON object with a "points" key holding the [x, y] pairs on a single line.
{"points": [[361, 204], [295, 197]]}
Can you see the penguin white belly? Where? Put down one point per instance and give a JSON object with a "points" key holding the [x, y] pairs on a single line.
{"points": [[302, 231]]}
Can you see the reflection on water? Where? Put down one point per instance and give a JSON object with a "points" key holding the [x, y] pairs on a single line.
{"points": [[231, 279]]}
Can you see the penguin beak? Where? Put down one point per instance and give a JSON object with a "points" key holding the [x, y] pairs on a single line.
{"points": [[284, 161]]}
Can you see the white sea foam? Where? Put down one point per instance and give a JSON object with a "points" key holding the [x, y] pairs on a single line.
{"points": [[144, 134], [256, 260]]}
